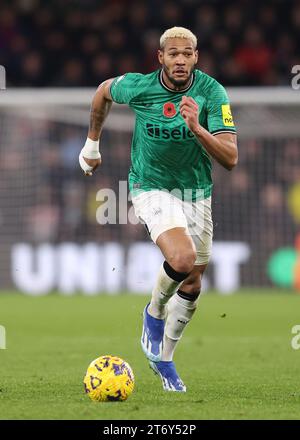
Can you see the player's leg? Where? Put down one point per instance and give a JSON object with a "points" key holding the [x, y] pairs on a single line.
{"points": [[181, 309], [182, 306], [165, 220], [180, 254]]}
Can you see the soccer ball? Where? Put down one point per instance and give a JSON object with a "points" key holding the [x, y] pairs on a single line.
{"points": [[109, 378]]}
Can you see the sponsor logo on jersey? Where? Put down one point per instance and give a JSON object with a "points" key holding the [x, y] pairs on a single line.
{"points": [[227, 116], [169, 109], [158, 131]]}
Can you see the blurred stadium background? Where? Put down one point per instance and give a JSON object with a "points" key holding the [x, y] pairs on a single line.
{"points": [[55, 55]]}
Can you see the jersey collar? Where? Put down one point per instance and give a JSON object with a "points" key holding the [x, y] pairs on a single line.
{"points": [[161, 80]]}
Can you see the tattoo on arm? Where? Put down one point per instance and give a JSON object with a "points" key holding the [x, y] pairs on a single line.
{"points": [[97, 117]]}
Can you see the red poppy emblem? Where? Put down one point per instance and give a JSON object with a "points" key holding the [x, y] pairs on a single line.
{"points": [[169, 110]]}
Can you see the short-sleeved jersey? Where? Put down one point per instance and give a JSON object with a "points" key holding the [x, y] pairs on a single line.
{"points": [[165, 154]]}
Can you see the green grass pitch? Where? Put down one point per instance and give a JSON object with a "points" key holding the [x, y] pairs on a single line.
{"points": [[235, 358]]}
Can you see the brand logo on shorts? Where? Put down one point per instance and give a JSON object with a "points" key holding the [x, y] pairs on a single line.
{"points": [[157, 211], [169, 110], [177, 134]]}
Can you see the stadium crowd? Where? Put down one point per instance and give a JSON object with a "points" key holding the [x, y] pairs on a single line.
{"points": [[78, 43]]}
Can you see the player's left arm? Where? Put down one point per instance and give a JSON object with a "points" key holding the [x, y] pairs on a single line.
{"points": [[222, 146]]}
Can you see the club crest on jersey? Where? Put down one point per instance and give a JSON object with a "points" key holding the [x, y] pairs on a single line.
{"points": [[169, 109]]}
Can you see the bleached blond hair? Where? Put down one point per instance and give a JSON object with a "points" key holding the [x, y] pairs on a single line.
{"points": [[177, 32]]}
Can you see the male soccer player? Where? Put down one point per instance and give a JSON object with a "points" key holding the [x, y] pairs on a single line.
{"points": [[183, 118]]}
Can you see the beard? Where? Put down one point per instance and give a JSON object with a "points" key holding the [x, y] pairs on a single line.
{"points": [[178, 83]]}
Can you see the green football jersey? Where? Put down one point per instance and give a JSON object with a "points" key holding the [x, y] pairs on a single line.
{"points": [[165, 154]]}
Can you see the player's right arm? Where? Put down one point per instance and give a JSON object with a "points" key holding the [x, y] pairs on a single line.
{"points": [[90, 157], [101, 105], [122, 90]]}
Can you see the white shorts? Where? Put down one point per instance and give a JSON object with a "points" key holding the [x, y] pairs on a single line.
{"points": [[161, 211]]}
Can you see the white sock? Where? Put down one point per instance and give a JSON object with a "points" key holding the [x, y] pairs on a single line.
{"points": [[164, 289], [180, 312]]}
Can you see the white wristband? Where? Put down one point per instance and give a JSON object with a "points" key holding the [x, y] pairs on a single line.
{"points": [[89, 151]]}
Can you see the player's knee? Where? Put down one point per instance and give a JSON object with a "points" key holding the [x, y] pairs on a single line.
{"points": [[183, 261]]}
